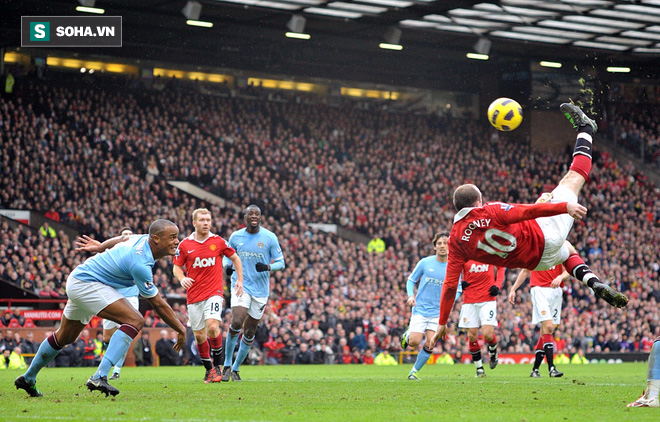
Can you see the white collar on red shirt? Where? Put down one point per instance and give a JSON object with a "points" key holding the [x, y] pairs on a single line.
{"points": [[192, 237], [462, 213]]}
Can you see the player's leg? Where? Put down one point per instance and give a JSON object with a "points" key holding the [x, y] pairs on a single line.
{"points": [[238, 316], [196, 313], [576, 266], [424, 354], [650, 396], [488, 320], [249, 331], [540, 313], [49, 348], [109, 329], [130, 323], [581, 165], [547, 328], [475, 350], [213, 316]]}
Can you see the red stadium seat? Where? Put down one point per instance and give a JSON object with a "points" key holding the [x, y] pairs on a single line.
{"points": [[13, 323], [29, 323]]}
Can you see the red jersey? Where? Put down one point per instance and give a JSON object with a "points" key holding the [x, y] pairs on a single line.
{"points": [[504, 235], [544, 278], [203, 263], [481, 278]]}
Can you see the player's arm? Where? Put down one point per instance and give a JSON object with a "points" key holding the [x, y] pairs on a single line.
{"points": [[522, 276], [522, 212], [413, 278], [87, 244], [499, 281], [180, 275], [448, 295], [278, 259], [166, 313], [560, 279], [238, 267]]}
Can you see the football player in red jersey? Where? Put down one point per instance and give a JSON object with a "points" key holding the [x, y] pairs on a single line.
{"points": [[546, 296], [481, 285], [531, 236], [198, 267]]}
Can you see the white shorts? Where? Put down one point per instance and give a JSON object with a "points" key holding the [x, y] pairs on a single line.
{"points": [[555, 231], [422, 324], [199, 312], [87, 299], [255, 305], [474, 315], [546, 303], [135, 303]]}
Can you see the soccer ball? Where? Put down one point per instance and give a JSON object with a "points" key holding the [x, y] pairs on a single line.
{"points": [[505, 114]]}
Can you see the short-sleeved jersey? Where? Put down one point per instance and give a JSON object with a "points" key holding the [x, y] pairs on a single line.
{"points": [[504, 235], [481, 278], [251, 248], [127, 264], [203, 263], [544, 278], [430, 274]]}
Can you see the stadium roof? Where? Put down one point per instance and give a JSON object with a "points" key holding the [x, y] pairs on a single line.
{"points": [[345, 35]]}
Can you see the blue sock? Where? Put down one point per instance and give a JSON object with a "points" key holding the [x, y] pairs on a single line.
{"points": [[45, 354], [243, 351], [422, 358], [117, 348], [229, 349], [120, 363], [654, 362]]}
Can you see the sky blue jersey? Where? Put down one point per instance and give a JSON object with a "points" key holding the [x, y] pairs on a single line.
{"points": [[263, 247], [430, 274], [127, 264]]}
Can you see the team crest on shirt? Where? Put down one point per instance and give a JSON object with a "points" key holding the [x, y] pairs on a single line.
{"points": [[212, 247], [260, 244], [465, 320], [506, 207], [543, 312]]}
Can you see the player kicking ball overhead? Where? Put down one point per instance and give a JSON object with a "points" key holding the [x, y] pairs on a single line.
{"points": [[92, 288], [531, 236]]}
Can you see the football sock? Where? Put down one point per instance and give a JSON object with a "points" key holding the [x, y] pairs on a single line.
{"points": [[654, 363], [540, 353], [117, 347], [204, 350], [45, 354], [422, 358], [475, 351], [582, 153], [538, 359], [230, 346], [216, 349], [548, 349], [243, 351], [120, 363], [578, 269]]}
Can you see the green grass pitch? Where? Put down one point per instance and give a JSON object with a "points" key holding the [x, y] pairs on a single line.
{"points": [[337, 393]]}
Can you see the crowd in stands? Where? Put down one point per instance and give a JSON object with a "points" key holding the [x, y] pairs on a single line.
{"points": [[97, 157]]}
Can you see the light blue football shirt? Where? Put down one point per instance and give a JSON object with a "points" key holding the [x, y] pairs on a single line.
{"points": [[128, 264], [263, 247], [430, 274]]}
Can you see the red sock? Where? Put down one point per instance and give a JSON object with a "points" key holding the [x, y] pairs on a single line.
{"points": [[204, 350], [539, 344], [582, 155], [493, 342], [547, 338], [474, 346]]}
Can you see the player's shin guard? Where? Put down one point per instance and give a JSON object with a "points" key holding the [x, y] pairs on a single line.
{"points": [[475, 351], [204, 350], [230, 346], [578, 269], [216, 349], [422, 358], [243, 351], [548, 349], [45, 354], [583, 152], [117, 347]]}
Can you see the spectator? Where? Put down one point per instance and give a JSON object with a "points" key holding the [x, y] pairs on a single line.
{"points": [[368, 357], [47, 231], [6, 317], [167, 356], [29, 346], [142, 350], [385, 359], [304, 355], [18, 316]]}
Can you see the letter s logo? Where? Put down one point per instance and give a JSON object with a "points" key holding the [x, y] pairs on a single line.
{"points": [[39, 31]]}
